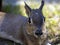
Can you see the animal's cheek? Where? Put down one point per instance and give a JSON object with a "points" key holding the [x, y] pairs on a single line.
{"points": [[30, 29], [44, 36]]}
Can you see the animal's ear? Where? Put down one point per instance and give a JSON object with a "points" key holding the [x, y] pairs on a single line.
{"points": [[28, 9], [42, 4]]}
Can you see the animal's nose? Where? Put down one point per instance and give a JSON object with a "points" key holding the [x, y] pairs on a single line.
{"points": [[38, 32]]}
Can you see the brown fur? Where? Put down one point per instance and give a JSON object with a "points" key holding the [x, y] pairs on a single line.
{"points": [[18, 29]]}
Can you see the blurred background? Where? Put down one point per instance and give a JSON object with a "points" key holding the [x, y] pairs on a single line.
{"points": [[51, 11]]}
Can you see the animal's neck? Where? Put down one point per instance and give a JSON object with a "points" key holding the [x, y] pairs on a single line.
{"points": [[31, 40]]}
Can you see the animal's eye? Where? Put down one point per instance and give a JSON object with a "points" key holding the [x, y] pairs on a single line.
{"points": [[30, 20], [44, 18]]}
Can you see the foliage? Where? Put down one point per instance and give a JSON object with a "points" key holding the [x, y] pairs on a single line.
{"points": [[52, 20], [18, 9]]}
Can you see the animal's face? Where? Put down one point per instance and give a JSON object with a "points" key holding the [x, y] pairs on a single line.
{"points": [[35, 25]]}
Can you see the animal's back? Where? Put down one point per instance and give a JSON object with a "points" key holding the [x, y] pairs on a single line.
{"points": [[11, 25]]}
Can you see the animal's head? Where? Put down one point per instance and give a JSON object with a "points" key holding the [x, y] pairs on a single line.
{"points": [[35, 25]]}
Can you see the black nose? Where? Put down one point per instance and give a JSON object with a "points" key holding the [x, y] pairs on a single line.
{"points": [[38, 33]]}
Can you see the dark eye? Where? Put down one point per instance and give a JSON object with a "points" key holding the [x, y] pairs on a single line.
{"points": [[44, 18], [29, 20]]}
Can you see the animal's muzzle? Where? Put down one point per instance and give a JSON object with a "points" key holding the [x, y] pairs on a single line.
{"points": [[38, 32]]}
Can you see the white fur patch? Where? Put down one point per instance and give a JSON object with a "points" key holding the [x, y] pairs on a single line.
{"points": [[37, 13], [48, 44]]}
